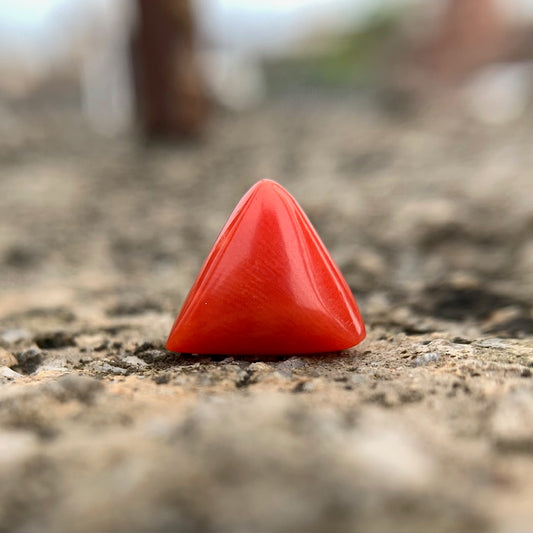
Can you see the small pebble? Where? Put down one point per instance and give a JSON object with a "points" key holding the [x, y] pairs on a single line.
{"points": [[492, 343], [7, 358], [430, 357], [286, 367], [111, 369], [135, 361], [258, 367]]}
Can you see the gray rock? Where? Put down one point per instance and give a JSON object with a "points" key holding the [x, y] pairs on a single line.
{"points": [[430, 357], [285, 368], [135, 361], [498, 344], [101, 367]]}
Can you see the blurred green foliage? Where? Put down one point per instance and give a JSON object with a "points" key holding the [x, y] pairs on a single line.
{"points": [[353, 59]]}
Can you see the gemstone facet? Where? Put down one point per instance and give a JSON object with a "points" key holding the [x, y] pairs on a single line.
{"points": [[268, 286]]}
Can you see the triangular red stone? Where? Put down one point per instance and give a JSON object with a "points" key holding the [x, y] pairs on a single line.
{"points": [[268, 286]]}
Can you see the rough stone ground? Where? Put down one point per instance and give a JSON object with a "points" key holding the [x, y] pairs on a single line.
{"points": [[425, 426]]}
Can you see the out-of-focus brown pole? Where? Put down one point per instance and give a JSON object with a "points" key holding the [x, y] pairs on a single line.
{"points": [[168, 90]]}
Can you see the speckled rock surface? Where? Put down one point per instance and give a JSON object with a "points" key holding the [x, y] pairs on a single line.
{"points": [[426, 426]]}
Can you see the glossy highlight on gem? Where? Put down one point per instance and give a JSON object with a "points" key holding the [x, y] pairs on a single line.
{"points": [[268, 286]]}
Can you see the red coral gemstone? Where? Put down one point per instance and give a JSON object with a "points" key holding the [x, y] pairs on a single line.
{"points": [[268, 286]]}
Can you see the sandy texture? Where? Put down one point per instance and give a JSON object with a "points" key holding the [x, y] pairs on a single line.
{"points": [[426, 426]]}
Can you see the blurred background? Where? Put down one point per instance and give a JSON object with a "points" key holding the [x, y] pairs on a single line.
{"points": [[129, 130]]}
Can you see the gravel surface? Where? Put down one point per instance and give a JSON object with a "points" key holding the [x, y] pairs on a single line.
{"points": [[425, 426]]}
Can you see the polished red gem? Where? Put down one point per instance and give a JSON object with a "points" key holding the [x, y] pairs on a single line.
{"points": [[268, 286]]}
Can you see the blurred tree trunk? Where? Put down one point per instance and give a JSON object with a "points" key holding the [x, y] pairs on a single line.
{"points": [[168, 90]]}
